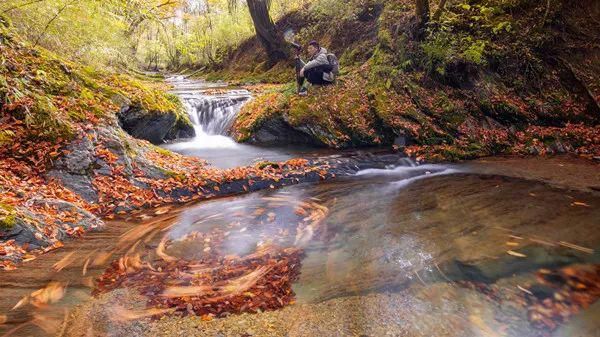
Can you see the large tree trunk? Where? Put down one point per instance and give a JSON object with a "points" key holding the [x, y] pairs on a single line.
{"points": [[422, 16], [265, 30]]}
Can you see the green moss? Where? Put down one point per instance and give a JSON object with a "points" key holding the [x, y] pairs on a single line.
{"points": [[300, 111], [265, 164], [454, 118], [183, 121], [8, 221], [51, 76], [172, 174], [47, 120], [162, 151], [502, 111], [8, 217], [6, 137]]}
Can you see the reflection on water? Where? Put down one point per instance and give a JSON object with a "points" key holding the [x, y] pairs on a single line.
{"points": [[430, 226]]}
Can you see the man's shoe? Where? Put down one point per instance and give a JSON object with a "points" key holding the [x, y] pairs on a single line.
{"points": [[302, 92]]}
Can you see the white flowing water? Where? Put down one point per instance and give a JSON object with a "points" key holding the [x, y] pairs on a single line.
{"points": [[212, 108], [212, 115]]}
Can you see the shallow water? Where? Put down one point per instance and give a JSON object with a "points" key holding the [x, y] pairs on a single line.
{"points": [[384, 231], [384, 226], [390, 255]]}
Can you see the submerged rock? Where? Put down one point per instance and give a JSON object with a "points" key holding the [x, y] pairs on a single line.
{"points": [[585, 324], [435, 310]]}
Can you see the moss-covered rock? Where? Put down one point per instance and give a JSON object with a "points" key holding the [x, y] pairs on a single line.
{"points": [[53, 97], [8, 217]]}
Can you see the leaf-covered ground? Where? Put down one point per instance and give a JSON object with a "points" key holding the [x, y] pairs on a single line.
{"points": [[488, 77]]}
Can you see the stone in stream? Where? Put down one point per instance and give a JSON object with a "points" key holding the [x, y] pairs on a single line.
{"points": [[490, 270], [154, 126], [277, 131], [27, 225]]}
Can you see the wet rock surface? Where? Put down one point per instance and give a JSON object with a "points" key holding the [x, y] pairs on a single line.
{"points": [[77, 169], [153, 126], [28, 230], [277, 131]]}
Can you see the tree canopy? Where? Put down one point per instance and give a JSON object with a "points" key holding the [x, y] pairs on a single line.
{"points": [[146, 33]]}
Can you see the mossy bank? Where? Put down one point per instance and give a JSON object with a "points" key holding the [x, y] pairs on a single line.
{"points": [[486, 77]]}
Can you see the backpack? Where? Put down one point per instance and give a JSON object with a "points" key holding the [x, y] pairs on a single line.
{"points": [[334, 63]]}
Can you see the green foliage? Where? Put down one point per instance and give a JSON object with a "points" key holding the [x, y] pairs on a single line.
{"points": [[503, 26], [467, 32], [85, 30], [438, 52], [201, 34], [475, 52]]}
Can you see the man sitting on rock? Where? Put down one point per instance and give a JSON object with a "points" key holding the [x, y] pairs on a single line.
{"points": [[318, 70]]}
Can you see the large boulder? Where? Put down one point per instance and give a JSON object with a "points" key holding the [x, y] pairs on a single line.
{"points": [[156, 127], [81, 163], [278, 131]]}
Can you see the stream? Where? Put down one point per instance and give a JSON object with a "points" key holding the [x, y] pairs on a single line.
{"points": [[411, 250], [212, 116]]}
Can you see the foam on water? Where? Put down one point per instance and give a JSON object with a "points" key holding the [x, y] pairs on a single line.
{"points": [[410, 172]]}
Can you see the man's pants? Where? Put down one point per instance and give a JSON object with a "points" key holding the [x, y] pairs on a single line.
{"points": [[313, 75]]}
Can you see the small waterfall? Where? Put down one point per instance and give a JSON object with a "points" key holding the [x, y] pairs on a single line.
{"points": [[211, 114], [214, 115]]}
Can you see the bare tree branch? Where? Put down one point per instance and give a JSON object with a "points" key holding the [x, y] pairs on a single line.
{"points": [[62, 9]]}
